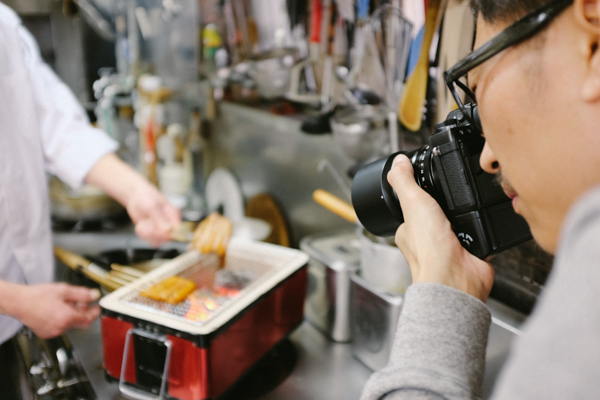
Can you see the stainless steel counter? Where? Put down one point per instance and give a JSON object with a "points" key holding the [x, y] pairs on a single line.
{"points": [[323, 369]]}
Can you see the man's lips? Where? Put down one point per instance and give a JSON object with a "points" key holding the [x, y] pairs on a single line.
{"points": [[511, 194], [507, 188]]}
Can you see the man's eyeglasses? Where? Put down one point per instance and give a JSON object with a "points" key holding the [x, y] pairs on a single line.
{"points": [[520, 30]]}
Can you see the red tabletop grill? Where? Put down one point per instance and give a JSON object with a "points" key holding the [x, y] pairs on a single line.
{"points": [[198, 348]]}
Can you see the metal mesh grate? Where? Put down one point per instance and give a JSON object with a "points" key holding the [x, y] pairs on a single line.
{"points": [[216, 287]]}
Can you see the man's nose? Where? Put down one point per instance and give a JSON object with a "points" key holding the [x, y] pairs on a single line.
{"points": [[488, 161]]}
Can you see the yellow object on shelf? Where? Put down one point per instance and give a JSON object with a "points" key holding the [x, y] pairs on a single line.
{"points": [[410, 109]]}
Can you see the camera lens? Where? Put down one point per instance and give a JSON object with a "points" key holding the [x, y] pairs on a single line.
{"points": [[374, 200], [425, 174]]}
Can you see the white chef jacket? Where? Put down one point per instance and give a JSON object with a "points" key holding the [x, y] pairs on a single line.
{"points": [[43, 129]]}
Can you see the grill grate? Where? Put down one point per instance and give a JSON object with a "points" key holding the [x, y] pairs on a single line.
{"points": [[216, 288]]}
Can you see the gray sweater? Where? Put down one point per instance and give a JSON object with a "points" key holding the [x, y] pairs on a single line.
{"points": [[439, 350]]}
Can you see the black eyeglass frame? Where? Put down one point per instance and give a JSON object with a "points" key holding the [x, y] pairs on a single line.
{"points": [[519, 31]]}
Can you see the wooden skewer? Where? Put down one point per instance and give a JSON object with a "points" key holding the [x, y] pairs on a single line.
{"points": [[122, 276], [118, 280], [82, 265], [128, 270]]}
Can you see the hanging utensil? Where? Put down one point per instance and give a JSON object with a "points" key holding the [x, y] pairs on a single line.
{"points": [[395, 46], [410, 110]]}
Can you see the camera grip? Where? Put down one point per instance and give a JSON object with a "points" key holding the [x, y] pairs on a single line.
{"points": [[450, 168]]}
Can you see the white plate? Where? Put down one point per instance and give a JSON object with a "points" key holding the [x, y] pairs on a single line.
{"points": [[223, 189], [252, 229]]}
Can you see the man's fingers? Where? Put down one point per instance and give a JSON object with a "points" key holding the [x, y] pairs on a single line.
{"points": [[401, 177]]}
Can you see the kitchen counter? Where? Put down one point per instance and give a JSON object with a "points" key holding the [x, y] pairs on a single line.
{"points": [[321, 369]]}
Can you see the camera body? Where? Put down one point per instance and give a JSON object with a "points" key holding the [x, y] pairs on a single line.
{"points": [[448, 168]]}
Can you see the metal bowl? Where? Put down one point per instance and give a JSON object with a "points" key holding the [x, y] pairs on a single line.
{"points": [[360, 131]]}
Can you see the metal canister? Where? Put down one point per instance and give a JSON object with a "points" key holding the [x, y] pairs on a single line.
{"points": [[334, 257]]}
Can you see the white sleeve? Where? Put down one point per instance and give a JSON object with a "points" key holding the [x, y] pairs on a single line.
{"points": [[70, 143]]}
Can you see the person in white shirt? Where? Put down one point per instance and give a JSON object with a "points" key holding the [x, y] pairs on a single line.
{"points": [[44, 130]]}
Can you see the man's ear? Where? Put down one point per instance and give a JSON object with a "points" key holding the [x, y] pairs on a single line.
{"points": [[587, 15]]}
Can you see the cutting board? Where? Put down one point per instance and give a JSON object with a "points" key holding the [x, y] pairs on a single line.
{"points": [[264, 206]]}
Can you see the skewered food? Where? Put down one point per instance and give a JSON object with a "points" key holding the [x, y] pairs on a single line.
{"points": [[212, 234], [171, 290]]}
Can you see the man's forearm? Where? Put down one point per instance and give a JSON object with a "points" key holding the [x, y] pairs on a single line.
{"points": [[115, 177], [439, 350]]}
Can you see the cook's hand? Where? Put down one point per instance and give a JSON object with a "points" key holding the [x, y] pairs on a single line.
{"points": [[154, 217], [427, 241], [50, 309]]}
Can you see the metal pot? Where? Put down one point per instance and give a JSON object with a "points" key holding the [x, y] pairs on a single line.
{"points": [[382, 263], [271, 71], [360, 131], [86, 204]]}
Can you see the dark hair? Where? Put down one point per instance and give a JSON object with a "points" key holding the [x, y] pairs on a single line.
{"points": [[504, 10]]}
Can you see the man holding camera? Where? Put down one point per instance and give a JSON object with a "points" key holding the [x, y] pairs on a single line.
{"points": [[535, 75]]}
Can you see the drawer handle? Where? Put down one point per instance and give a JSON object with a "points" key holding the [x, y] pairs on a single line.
{"points": [[137, 394]]}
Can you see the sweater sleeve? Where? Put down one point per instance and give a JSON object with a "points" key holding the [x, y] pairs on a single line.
{"points": [[439, 349]]}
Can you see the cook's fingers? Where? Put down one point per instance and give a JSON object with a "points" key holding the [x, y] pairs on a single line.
{"points": [[146, 230], [171, 214], [83, 318], [77, 294]]}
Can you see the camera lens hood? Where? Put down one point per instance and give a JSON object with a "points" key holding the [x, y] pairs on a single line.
{"points": [[374, 200]]}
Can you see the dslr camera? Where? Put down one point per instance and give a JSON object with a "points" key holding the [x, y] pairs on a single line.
{"points": [[448, 169]]}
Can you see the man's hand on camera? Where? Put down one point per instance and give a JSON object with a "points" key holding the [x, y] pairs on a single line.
{"points": [[427, 241]]}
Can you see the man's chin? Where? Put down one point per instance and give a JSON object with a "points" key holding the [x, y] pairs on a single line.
{"points": [[543, 239]]}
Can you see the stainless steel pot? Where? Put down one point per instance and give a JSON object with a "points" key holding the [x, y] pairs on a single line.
{"points": [[271, 71], [87, 203], [382, 263]]}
